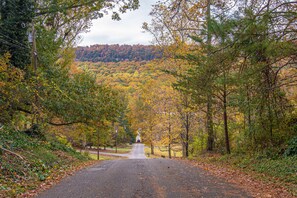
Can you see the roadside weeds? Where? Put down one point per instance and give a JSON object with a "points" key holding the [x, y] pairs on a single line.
{"points": [[56, 177]]}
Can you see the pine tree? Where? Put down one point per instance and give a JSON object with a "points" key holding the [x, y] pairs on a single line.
{"points": [[15, 19]]}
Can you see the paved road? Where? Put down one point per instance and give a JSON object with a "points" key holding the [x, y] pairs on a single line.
{"points": [[141, 178], [137, 152]]}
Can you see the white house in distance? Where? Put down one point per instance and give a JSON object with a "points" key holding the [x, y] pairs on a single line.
{"points": [[138, 138]]}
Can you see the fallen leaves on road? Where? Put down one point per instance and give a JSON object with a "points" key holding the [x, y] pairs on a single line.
{"points": [[246, 181]]}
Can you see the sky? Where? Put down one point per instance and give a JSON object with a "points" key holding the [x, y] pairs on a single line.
{"points": [[126, 31]]}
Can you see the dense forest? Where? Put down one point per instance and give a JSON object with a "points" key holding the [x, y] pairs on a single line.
{"points": [[116, 53], [221, 80], [226, 85], [235, 76]]}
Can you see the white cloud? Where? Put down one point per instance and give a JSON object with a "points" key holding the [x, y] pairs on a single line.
{"points": [[126, 31]]}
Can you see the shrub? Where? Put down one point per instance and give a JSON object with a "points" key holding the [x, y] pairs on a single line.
{"points": [[292, 147]]}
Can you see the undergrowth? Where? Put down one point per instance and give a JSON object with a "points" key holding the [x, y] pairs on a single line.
{"points": [[279, 169], [26, 161]]}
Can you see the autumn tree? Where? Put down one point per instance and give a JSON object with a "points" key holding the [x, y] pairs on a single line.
{"points": [[184, 20], [50, 94]]}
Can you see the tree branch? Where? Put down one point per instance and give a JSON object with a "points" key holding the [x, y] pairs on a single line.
{"points": [[66, 124], [13, 153]]}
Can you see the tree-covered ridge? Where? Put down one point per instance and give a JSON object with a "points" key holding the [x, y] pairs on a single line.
{"points": [[116, 53], [127, 76]]}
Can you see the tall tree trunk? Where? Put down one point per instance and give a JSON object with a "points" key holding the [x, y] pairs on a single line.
{"points": [[169, 151], [210, 132], [98, 144], [151, 140], [169, 137], [249, 117], [269, 101], [187, 135], [228, 150]]}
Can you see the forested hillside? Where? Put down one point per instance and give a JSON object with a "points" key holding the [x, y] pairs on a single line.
{"points": [[116, 53]]}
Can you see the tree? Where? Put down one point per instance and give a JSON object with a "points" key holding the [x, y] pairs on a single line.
{"points": [[10, 89], [15, 19], [146, 113], [264, 35], [53, 95]]}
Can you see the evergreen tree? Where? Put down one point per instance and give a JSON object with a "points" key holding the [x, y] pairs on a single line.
{"points": [[15, 19]]}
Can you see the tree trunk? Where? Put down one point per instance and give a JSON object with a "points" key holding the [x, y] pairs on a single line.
{"points": [[98, 145], [152, 148], [169, 151], [152, 144], [210, 133], [210, 140], [226, 119], [249, 117], [169, 137], [187, 135]]}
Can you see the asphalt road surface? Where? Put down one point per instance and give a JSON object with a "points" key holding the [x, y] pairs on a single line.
{"points": [[138, 177], [137, 152]]}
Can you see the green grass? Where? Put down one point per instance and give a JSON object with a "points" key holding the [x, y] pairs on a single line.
{"points": [[123, 148], [162, 151], [102, 157]]}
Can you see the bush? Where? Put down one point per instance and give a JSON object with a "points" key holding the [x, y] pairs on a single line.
{"points": [[35, 132], [14, 140], [292, 147]]}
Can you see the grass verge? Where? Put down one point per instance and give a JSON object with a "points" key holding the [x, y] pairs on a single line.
{"points": [[162, 151], [281, 171], [122, 149], [102, 157]]}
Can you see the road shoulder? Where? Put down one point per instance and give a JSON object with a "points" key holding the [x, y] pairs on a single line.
{"points": [[245, 180]]}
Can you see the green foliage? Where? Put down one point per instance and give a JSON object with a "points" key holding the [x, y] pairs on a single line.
{"points": [[63, 140], [15, 140], [57, 145], [292, 147], [30, 160], [36, 132], [52, 93], [198, 145], [279, 170], [15, 18], [283, 168], [238, 71]]}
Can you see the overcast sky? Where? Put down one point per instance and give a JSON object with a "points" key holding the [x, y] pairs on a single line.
{"points": [[126, 31]]}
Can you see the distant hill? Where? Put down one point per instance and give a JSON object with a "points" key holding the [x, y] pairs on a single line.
{"points": [[117, 53]]}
